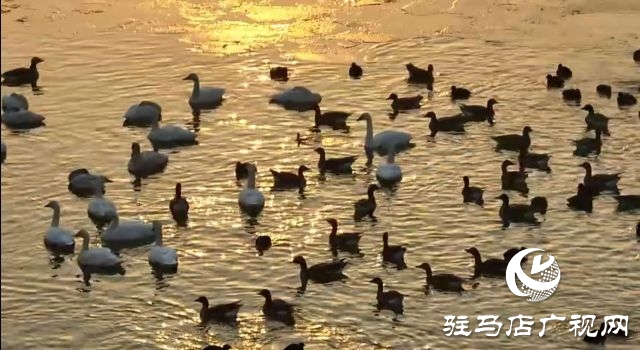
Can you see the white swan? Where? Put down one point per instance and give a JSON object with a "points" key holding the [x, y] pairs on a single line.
{"points": [[143, 164], [57, 239], [159, 255], [142, 114], [14, 102], [101, 210], [96, 258], [203, 97], [128, 233], [383, 141], [390, 172], [250, 199], [298, 98], [22, 119], [3, 151], [169, 136]]}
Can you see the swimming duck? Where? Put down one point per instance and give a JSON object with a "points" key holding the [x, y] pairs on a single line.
{"points": [[101, 210], [279, 73], [444, 282], [218, 313], [554, 82], [298, 99], [530, 160], [335, 120], [389, 173], [471, 194], [508, 213], [241, 171], [23, 76], [340, 165], [203, 97], [626, 99], [572, 95], [14, 102], [98, 259], [596, 121], [526, 212], [366, 206], [179, 207], [3, 151], [277, 309], [83, 184], [320, 273], [355, 71], [477, 113], [450, 124], [459, 93], [564, 72], [389, 300], [250, 199], [511, 252], [599, 338], [147, 163], [262, 244], [604, 90], [585, 146], [404, 103], [127, 234], [347, 241], [514, 180], [169, 136], [143, 114], [23, 119], [583, 200], [161, 257], [384, 140], [600, 182], [284, 180], [216, 347], [627, 202], [420, 76], [393, 254], [56, 239], [295, 346], [488, 268], [514, 142]]}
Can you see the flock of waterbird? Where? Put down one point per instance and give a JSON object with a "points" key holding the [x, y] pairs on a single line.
{"points": [[116, 234]]}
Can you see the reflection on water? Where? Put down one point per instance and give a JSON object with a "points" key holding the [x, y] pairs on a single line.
{"points": [[89, 83]]}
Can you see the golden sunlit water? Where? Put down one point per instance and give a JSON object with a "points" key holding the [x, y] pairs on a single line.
{"points": [[103, 56]]}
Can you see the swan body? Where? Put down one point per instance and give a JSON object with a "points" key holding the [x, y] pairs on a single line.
{"points": [[390, 172], [204, 97], [57, 239], [128, 233], [143, 114], [22, 119], [159, 255], [169, 136], [385, 140], [101, 210], [298, 98], [84, 184], [147, 163], [250, 199], [97, 259], [14, 102]]}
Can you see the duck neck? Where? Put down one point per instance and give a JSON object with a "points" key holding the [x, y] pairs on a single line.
{"points": [[85, 242], [504, 167], [205, 306], [334, 231], [318, 115], [251, 179], [391, 157], [368, 138], [178, 192], [490, 109], [587, 172], [429, 275], [267, 301], [303, 266], [196, 88], [371, 196], [322, 160], [380, 291], [114, 223], [33, 66], [466, 184], [477, 263], [55, 219]]}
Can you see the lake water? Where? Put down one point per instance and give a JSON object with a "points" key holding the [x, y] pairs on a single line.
{"points": [[101, 59]]}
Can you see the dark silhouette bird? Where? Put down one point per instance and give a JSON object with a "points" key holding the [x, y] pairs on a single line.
{"points": [[241, 171], [514, 180], [277, 309], [554, 82], [526, 212], [597, 338], [340, 165], [573, 95], [179, 207], [564, 72], [511, 252], [216, 347], [420, 76], [262, 244], [582, 201], [604, 90], [477, 113], [514, 142], [459, 93], [295, 346], [399, 104], [530, 160], [279, 73], [600, 182], [585, 146], [23, 76], [512, 213], [393, 254], [355, 71], [596, 121], [628, 202], [496, 268], [626, 99], [333, 119], [218, 313], [347, 241], [450, 124], [636, 55], [82, 183], [286, 180], [389, 300], [471, 194], [320, 273], [366, 206], [444, 282]]}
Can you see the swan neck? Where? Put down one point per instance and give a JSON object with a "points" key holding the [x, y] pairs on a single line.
{"points": [[55, 219], [114, 223], [391, 157], [368, 138], [158, 236], [85, 243], [196, 88], [478, 262], [380, 291], [251, 179]]}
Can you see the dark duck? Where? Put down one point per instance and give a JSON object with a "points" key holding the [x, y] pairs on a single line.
{"points": [[495, 268], [218, 313], [600, 182], [420, 76], [295, 346], [572, 95], [332, 119], [355, 71], [596, 121], [241, 171], [604, 90], [628, 202], [287, 180], [320, 273], [262, 244], [554, 82], [471, 194], [514, 180], [399, 104], [279, 73], [564, 72], [444, 282], [510, 213], [539, 161], [626, 99], [23, 76], [514, 142], [636, 55], [390, 300], [459, 93], [525, 213], [478, 113], [277, 309], [598, 338], [393, 254], [587, 145], [179, 207], [582, 201], [366, 206], [450, 124], [347, 241], [340, 165], [216, 347]]}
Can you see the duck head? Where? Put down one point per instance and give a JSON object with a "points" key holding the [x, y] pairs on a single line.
{"points": [[299, 260], [82, 233], [503, 197], [465, 180], [302, 169], [588, 108], [364, 116], [585, 165], [319, 150], [431, 115], [202, 300], [376, 280], [392, 97], [333, 222], [265, 293], [491, 102], [453, 88], [549, 76], [52, 205], [473, 251], [135, 148], [526, 130], [36, 60], [540, 204], [178, 189], [192, 77], [430, 68]]}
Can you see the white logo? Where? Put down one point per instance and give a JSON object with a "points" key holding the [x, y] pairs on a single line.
{"points": [[536, 290]]}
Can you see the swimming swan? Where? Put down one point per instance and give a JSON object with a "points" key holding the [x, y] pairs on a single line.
{"points": [[383, 141], [22, 119], [203, 97], [101, 210], [57, 239], [298, 99], [142, 114], [97, 259], [390, 172], [14, 102], [159, 255], [128, 234], [250, 199], [169, 136]]}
